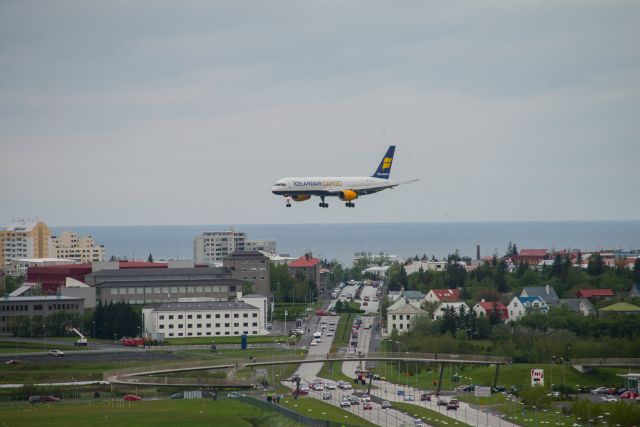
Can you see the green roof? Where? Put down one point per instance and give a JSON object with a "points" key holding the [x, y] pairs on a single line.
{"points": [[621, 306]]}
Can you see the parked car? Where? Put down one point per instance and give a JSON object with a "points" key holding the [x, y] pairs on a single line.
{"points": [[629, 395], [56, 353], [12, 362], [131, 398], [609, 398], [326, 396], [234, 395], [367, 406], [385, 404], [600, 390]]}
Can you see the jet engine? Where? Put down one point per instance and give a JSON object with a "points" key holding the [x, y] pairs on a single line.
{"points": [[300, 197], [347, 195]]}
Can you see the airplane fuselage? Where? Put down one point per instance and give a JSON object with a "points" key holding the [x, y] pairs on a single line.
{"points": [[328, 185]]}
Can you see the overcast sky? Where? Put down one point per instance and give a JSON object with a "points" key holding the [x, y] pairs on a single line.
{"points": [[187, 112]]}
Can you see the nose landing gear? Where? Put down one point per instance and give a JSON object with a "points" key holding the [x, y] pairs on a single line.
{"points": [[288, 200]]}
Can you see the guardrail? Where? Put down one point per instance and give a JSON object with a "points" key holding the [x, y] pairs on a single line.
{"points": [[583, 365], [209, 382]]}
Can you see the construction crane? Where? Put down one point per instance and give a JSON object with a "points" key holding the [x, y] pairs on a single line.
{"points": [[80, 341]]}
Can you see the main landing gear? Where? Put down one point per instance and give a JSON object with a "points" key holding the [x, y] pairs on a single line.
{"points": [[350, 205], [322, 204], [288, 199]]}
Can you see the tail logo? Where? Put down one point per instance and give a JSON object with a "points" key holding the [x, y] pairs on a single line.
{"points": [[386, 163]]}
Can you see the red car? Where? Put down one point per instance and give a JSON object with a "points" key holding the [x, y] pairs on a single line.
{"points": [[367, 405], [131, 398], [629, 395], [426, 396]]}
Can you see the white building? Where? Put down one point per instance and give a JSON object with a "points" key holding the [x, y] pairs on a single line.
{"points": [[521, 306], [402, 314], [415, 266], [268, 246], [204, 319], [19, 266], [71, 245], [444, 306], [212, 246]]}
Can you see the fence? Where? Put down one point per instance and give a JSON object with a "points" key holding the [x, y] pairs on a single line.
{"points": [[302, 419]]}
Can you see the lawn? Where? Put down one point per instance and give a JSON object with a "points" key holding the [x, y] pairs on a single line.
{"points": [[516, 374], [430, 417], [226, 340], [315, 408], [174, 413]]}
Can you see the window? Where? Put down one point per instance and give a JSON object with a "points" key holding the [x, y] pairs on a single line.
{"points": [[161, 317], [226, 316], [408, 316], [226, 325], [236, 315], [245, 315], [235, 325], [208, 325], [208, 316], [171, 317], [401, 317], [217, 325], [179, 316], [199, 325], [245, 324], [199, 316], [254, 315], [217, 316], [393, 316], [189, 325], [189, 316], [180, 326], [170, 325], [255, 323]]}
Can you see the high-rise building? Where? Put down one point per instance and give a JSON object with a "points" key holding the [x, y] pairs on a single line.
{"points": [[24, 239], [71, 245], [212, 246], [268, 246]]}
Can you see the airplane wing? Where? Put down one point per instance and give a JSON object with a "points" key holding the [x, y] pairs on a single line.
{"points": [[373, 188]]}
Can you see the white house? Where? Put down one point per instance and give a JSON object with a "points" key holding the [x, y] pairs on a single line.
{"points": [[521, 306], [443, 306], [402, 314], [443, 295]]}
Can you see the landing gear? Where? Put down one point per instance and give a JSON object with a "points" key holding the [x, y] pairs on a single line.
{"points": [[350, 205], [322, 204], [288, 200]]}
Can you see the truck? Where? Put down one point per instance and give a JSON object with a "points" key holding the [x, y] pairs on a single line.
{"points": [[133, 342], [80, 341]]}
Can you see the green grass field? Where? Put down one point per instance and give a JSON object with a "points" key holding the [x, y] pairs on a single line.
{"points": [[174, 413], [315, 408], [516, 374], [430, 417], [226, 340]]}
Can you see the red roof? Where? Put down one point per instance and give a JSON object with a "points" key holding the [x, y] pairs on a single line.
{"points": [[533, 252], [490, 306], [305, 261], [447, 294], [591, 293]]}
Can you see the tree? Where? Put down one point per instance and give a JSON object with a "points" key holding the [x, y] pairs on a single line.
{"points": [[595, 267], [455, 272], [636, 271], [150, 259], [397, 277]]}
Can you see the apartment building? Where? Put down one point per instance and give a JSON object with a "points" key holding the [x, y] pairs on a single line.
{"points": [[212, 246], [250, 267], [71, 245], [268, 246], [24, 239]]}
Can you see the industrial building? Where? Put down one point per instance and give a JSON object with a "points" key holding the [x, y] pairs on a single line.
{"points": [[251, 267], [35, 306]]}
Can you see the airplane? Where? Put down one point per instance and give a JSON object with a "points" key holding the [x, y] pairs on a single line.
{"points": [[346, 189]]}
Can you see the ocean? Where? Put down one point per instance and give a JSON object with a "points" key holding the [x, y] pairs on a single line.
{"points": [[341, 241]]}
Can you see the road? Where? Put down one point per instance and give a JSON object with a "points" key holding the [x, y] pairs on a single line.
{"points": [[389, 391], [372, 306], [309, 372]]}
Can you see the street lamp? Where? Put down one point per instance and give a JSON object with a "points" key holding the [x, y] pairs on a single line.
{"points": [[93, 322]]}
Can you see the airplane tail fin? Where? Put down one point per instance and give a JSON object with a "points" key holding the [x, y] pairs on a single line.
{"points": [[384, 169]]}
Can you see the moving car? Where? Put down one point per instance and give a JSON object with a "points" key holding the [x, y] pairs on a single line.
{"points": [[344, 403], [326, 396], [408, 398], [12, 362], [313, 343], [441, 402], [385, 404], [234, 395], [366, 398], [330, 386], [453, 404], [317, 386], [329, 334], [629, 395], [426, 397], [367, 406], [600, 390], [344, 385], [56, 353], [131, 398], [43, 399], [354, 400]]}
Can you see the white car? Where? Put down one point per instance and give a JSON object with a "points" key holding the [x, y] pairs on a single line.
{"points": [[366, 398], [344, 403], [329, 334], [330, 386], [313, 343], [56, 353], [318, 340], [609, 398]]}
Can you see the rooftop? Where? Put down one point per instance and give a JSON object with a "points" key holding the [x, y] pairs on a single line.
{"points": [[39, 298], [622, 307], [305, 260], [167, 283], [204, 306], [245, 254], [163, 272]]}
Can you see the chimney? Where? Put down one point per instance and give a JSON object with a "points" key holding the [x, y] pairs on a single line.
{"points": [[546, 289], [307, 256], [482, 300], [478, 252]]}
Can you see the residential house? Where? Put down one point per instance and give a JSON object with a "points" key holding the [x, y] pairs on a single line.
{"points": [[402, 314], [546, 293], [595, 294], [579, 305], [443, 295], [410, 295], [488, 308], [521, 306], [530, 256], [635, 291], [307, 266], [444, 306]]}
